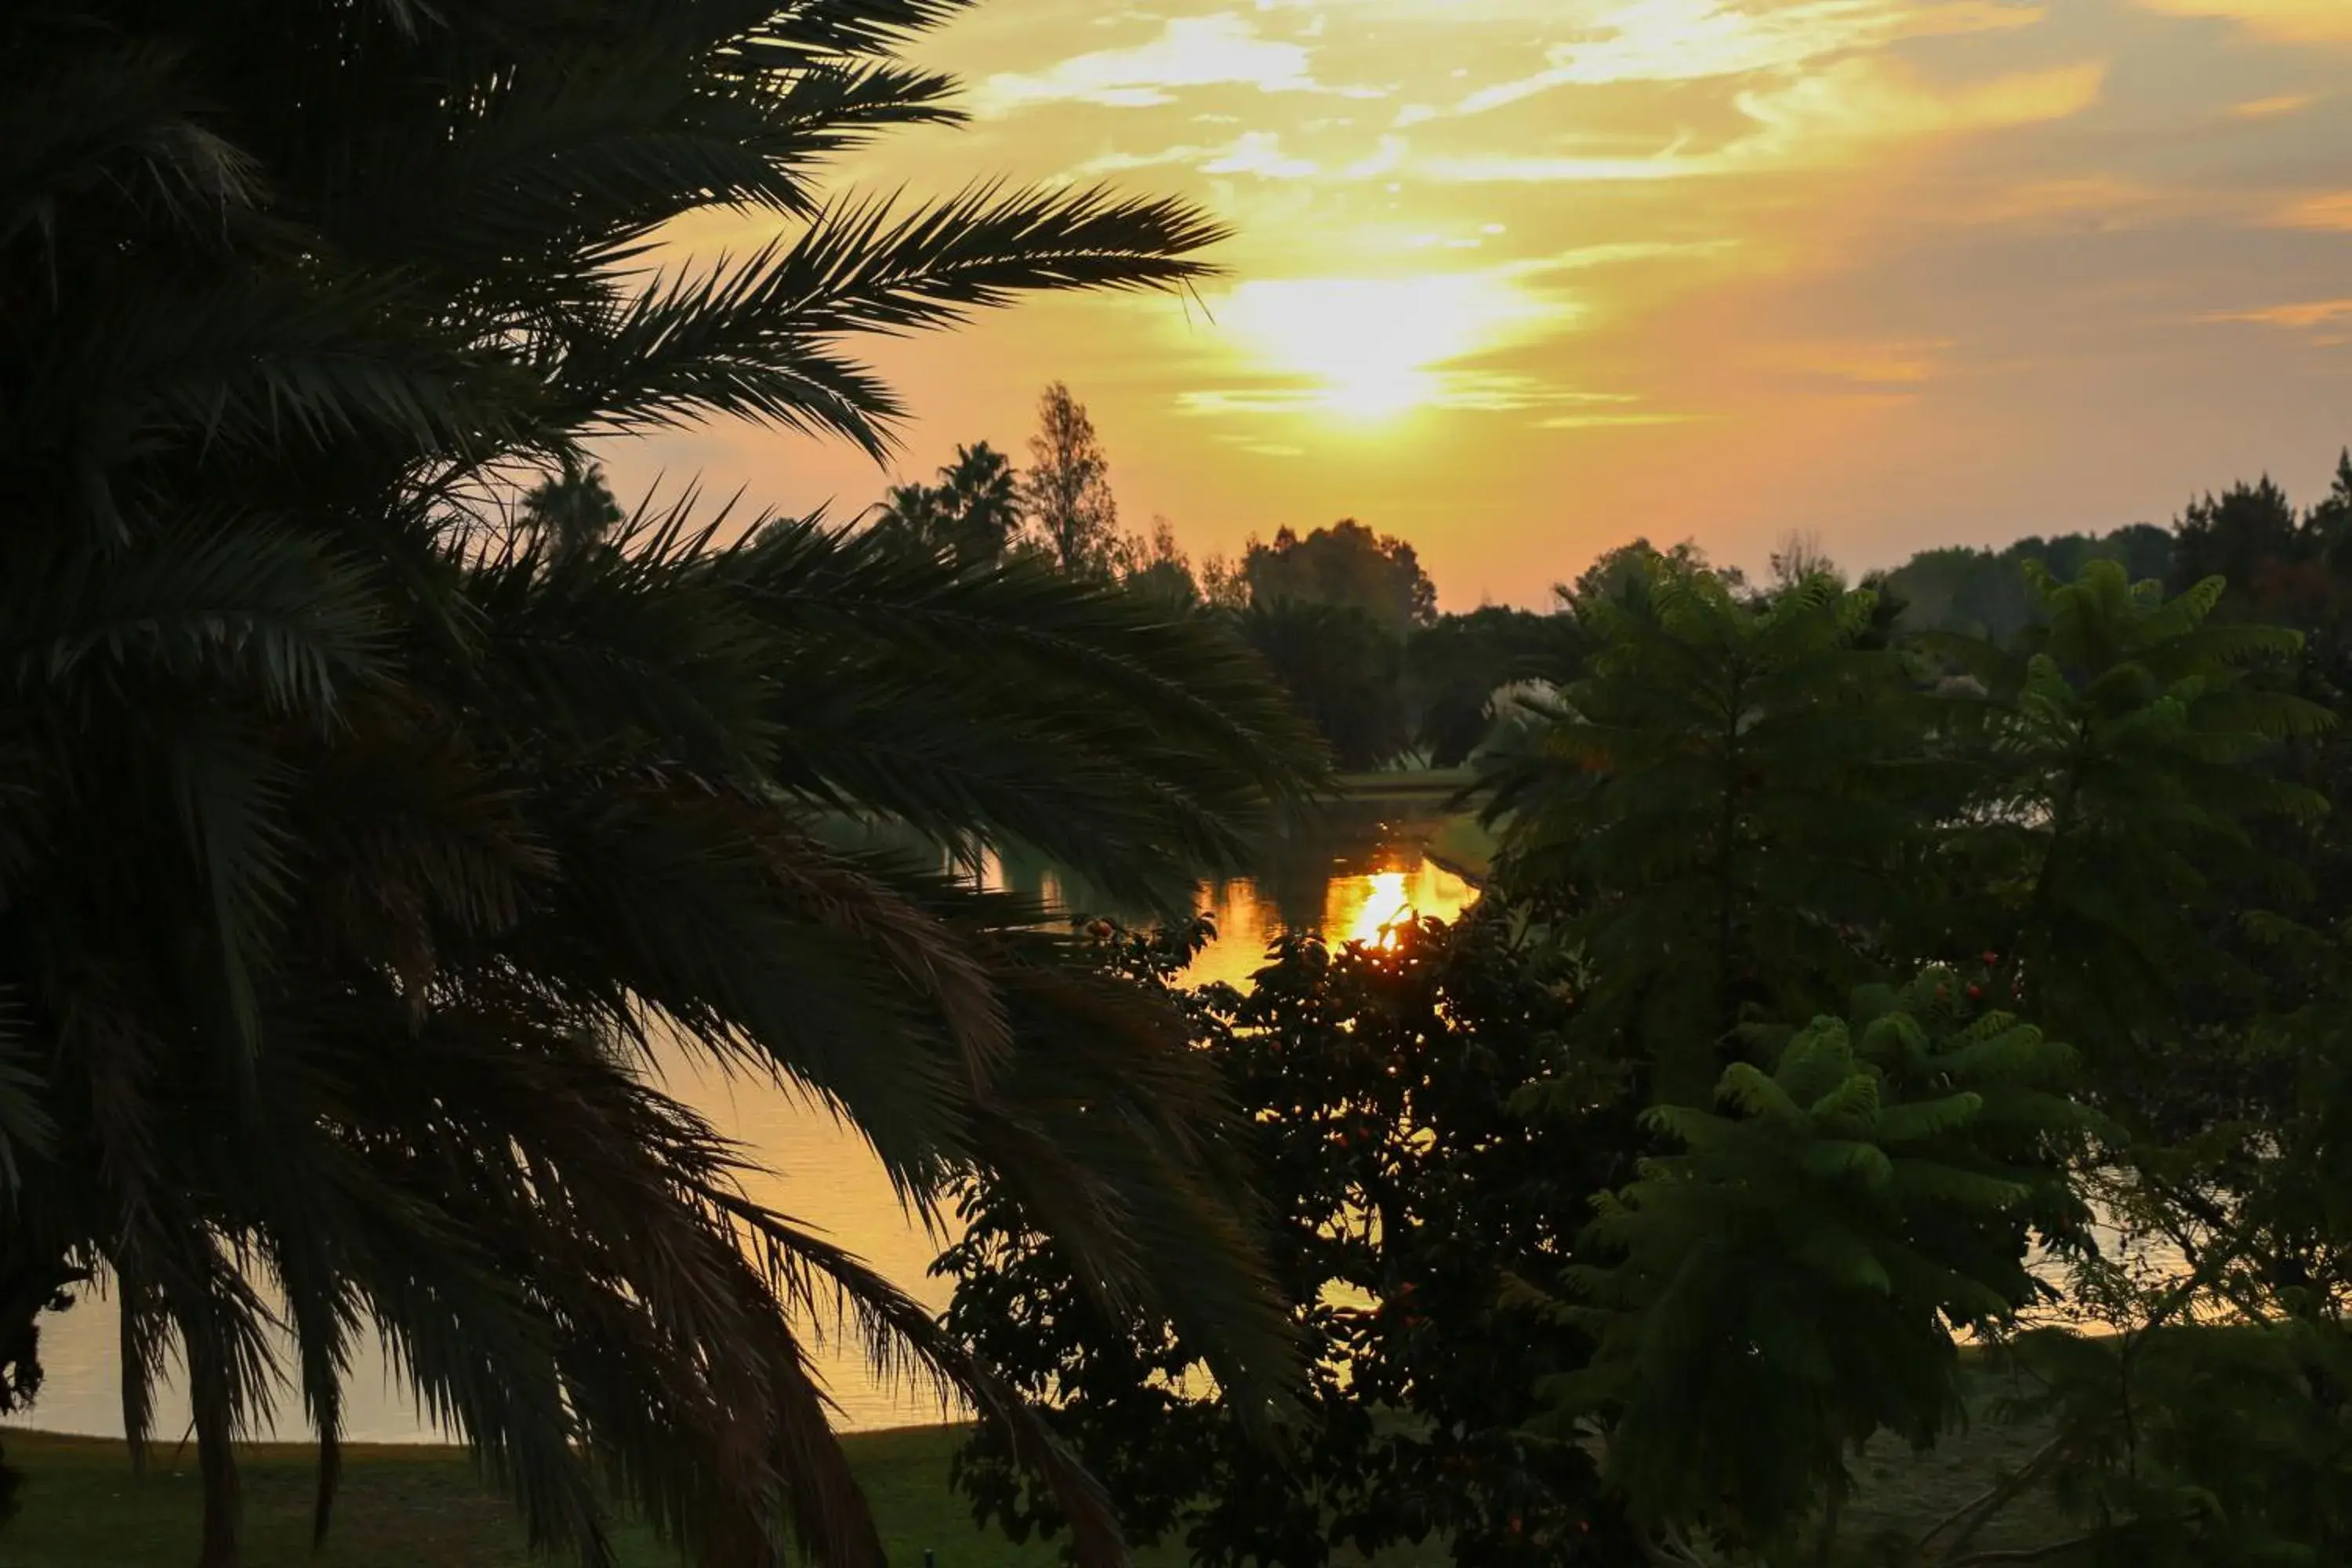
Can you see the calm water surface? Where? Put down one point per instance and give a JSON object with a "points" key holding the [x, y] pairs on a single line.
{"points": [[1363, 873]]}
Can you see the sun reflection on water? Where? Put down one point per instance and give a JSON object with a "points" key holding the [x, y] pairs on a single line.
{"points": [[1386, 904], [1363, 905]]}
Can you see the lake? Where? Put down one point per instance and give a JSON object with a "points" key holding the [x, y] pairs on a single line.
{"points": [[1362, 872]]}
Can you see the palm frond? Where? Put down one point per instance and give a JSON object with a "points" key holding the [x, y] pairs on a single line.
{"points": [[756, 338]]}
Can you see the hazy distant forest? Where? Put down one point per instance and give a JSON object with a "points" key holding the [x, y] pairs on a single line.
{"points": [[1347, 621], [1890, 1104]]}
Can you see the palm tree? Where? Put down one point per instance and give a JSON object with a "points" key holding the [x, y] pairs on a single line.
{"points": [[971, 517], [355, 858], [574, 504]]}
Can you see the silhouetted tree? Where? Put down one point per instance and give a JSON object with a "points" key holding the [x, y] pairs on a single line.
{"points": [[2249, 532], [356, 857], [574, 506], [1345, 564], [1160, 568], [1223, 586], [1453, 666], [971, 517], [1799, 557], [1067, 488], [1343, 670]]}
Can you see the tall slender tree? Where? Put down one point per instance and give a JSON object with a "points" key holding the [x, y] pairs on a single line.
{"points": [[1068, 487]]}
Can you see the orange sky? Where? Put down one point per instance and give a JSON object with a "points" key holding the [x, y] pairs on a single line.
{"points": [[1522, 279]]}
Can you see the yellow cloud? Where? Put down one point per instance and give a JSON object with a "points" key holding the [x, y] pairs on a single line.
{"points": [[1504, 168], [2097, 199], [2310, 313], [2297, 21], [1257, 153], [2330, 213], [1223, 49], [1617, 421], [1864, 100], [2271, 107], [1693, 40], [1821, 119], [1260, 153]]}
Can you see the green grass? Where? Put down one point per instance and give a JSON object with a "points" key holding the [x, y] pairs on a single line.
{"points": [[402, 1506], [405, 1506]]}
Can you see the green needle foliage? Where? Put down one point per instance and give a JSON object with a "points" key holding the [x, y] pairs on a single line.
{"points": [[366, 845]]}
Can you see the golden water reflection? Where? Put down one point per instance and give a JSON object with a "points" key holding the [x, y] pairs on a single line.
{"points": [[1361, 906], [1354, 883]]}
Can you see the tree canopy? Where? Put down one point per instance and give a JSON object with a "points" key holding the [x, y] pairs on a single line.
{"points": [[1344, 566]]}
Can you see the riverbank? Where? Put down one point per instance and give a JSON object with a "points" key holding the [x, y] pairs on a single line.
{"points": [[1384, 783], [1458, 842]]}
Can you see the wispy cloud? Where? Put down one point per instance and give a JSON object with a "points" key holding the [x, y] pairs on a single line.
{"points": [[2330, 212], [1255, 152], [1898, 365], [1694, 40], [2274, 108], [2308, 314], [1481, 392], [1743, 243], [2295, 21], [1817, 119], [1619, 421], [1221, 49]]}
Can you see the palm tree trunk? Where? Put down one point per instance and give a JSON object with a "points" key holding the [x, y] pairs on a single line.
{"points": [[218, 1465]]}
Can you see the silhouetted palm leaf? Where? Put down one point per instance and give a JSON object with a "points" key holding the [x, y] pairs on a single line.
{"points": [[364, 857]]}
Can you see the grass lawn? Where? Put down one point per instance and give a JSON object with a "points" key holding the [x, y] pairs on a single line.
{"points": [[412, 1506], [405, 1506]]}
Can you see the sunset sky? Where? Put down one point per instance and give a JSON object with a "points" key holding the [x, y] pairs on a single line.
{"points": [[1522, 279]]}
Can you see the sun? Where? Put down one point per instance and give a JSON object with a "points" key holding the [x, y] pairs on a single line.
{"points": [[1371, 348]]}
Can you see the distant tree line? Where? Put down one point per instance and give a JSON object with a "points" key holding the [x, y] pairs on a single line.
{"points": [[1347, 619]]}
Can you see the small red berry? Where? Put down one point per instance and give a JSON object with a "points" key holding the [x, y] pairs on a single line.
{"points": [[1976, 993]]}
